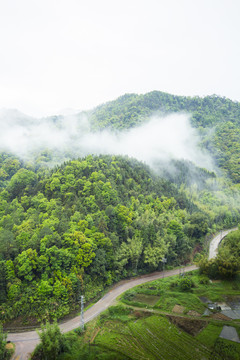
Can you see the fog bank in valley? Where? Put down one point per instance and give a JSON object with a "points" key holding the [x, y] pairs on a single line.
{"points": [[158, 139]]}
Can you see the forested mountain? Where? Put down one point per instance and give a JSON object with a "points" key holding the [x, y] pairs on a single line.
{"points": [[216, 118], [88, 223], [85, 223], [130, 109]]}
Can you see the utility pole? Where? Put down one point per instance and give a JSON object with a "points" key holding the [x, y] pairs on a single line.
{"points": [[164, 260], [182, 271], [82, 316]]}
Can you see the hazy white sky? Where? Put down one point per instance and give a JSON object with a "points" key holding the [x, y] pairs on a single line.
{"points": [[57, 54]]}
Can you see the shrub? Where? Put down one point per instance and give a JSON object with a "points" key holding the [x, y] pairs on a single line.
{"points": [[226, 350], [79, 331], [119, 310], [52, 343], [186, 283], [204, 280], [174, 284], [3, 352]]}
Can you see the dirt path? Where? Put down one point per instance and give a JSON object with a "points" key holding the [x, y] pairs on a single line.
{"points": [[26, 342]]}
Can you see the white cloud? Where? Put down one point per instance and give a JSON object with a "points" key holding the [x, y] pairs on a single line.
{"points": [[158, 139]]}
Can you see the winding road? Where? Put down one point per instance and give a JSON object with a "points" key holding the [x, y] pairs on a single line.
{"points": [[25, 342]]}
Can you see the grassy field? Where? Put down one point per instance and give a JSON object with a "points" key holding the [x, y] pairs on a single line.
{"points": [[143, 325]]}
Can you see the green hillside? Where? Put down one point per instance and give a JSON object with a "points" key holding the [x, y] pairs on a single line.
{"points": [[89, 222], [216, 118], [131, 109]]}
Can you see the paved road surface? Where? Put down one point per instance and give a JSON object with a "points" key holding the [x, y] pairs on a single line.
{"points": [[26, 342], [215, 242]]}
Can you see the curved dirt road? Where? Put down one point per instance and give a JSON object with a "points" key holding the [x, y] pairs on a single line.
{"points": [[26, 342]]}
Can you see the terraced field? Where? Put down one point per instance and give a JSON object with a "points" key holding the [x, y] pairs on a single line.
{"points": [[146, 325], [152, 338]]}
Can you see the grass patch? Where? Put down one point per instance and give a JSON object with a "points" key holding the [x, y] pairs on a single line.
{"points": [[210, 335], [146, 299], [188, 300], [226, 350], [118, 312]]}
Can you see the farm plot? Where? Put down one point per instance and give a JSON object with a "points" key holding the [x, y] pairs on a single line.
{"points": [[152, 338]]}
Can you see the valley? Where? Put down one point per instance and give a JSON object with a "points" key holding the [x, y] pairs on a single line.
{"points": [[104, 195]]}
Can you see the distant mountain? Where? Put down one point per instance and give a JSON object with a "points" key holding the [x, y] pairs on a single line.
{"points": [[216, 118], [131, 109], [14, 116]]}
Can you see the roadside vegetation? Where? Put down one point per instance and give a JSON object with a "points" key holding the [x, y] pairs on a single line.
{"points": [[6, 348]]}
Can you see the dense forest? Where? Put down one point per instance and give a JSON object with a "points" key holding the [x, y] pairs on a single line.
{"points": [[88, 222]]}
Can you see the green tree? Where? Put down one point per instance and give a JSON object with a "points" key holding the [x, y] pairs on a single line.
{"points": [[21, 181], [3, 282], [3, 352], [228, 263], [52, 343], [135, 246], [153, 255], [82, 247], [26, 264]]}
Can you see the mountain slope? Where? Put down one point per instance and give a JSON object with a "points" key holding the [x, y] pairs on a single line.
{"points": [[86, 224], [216, 118]]}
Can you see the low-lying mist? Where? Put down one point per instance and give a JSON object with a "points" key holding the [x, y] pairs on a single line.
{"points": [[158, 139]]}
